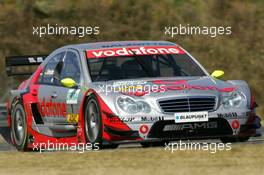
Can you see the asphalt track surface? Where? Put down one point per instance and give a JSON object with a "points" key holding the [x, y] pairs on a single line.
{"points": [[5, 144]]}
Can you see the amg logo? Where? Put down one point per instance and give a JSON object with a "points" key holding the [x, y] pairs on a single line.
{"points": [[35, 60], [190, 126]]}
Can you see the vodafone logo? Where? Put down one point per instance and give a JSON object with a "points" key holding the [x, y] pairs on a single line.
{"points": [[52, 109], [143, 129], [235, 124], [148, 50]]}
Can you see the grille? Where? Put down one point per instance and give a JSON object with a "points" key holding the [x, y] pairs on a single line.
{"points": [[188, 104]]}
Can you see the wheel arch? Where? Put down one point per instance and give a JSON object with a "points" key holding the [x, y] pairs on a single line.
{"points": [[106, 112]]}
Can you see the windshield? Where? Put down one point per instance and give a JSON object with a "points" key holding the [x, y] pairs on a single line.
{"points": [[143, 66]]}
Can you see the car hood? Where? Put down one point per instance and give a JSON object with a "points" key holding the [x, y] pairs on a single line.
{"points": [[161, 88]]}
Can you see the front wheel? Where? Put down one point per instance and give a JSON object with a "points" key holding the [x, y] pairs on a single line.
{"points": [[93, 122], [19, 128]]}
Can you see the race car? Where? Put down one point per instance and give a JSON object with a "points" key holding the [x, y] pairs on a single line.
{"points": [[108, 93]]}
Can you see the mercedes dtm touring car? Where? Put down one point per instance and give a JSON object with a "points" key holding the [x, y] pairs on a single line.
{"points": [[108, 93]]}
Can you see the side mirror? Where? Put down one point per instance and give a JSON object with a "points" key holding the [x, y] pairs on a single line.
{"points": [[218, 74], [68, 82]]}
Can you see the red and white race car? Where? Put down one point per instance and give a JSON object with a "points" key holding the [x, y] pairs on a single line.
{"points": [[109, 93]]}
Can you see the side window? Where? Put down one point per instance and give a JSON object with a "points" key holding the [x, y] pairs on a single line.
{"points": [[49, 72], [71, 67]]}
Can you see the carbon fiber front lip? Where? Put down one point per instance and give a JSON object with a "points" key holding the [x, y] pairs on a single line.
{"points": [[150, 140], [130, 134]]}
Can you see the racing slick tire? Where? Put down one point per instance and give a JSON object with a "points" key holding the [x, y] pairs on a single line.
{"points": [[93, 125], [19, 134], [233, 140]]}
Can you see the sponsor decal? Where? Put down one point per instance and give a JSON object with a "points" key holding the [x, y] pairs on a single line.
{"points": [[235, 124], [162, 86], [134, 119], [143, 129], [127, 119], [49, 72], [182, 85], [121, 119], [185, 117], [35, 60], [52, 109], [128, 83], [229, 115], [190, 126], [151, 119], [146, 50], [233, 115], [72, 118], [72, 96]]}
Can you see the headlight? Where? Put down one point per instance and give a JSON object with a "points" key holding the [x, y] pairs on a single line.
{"points": [[131, 106], [235, 99]]}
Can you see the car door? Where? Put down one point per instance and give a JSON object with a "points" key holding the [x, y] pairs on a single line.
{"points": [[59, 104], [71, 96], [51, 109]]}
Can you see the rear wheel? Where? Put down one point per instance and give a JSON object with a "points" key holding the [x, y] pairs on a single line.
{"points": [[19, 128]]}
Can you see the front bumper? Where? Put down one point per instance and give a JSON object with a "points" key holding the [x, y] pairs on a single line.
{"points": [[163, 127]]}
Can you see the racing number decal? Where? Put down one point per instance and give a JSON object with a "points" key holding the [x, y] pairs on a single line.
{"points": [[72, 96], [72, 99], [72, 118]]}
